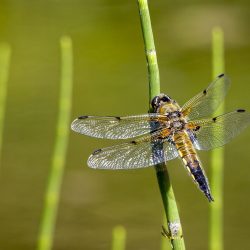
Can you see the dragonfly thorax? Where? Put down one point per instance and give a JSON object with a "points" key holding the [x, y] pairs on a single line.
{"points": [[178, 125], [177, 121], [174, 115]]}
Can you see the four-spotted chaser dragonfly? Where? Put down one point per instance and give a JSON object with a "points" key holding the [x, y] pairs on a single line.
{"points": [[170, 131]]}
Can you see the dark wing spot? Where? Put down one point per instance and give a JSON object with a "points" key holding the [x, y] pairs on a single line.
{"points": [[197, 128], [221, 75], [118, 118], [97, 152], [214, 119], [241, 110], [133, 142], [204, 91], [83, 117]]}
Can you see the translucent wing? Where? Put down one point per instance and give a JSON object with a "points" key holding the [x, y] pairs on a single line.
{"points": [[212, 133], [135, 154], [112, 127], [206, 102]]}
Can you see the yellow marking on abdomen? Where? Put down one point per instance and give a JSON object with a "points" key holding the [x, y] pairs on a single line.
{"points": [[186, 151], [184, 145], [191, 161]]}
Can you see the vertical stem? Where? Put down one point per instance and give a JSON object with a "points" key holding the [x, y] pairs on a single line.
{"points": [[170, 206], [153, 71], [118, 238], [167, 194], [58, 159], [217, 157], [165, 245], [5, 53]]}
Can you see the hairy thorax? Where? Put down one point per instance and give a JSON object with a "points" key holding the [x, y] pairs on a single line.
{"points": [[176, 120]]}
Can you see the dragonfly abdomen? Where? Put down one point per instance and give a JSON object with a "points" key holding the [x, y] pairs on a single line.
{"points": [[192, 163], [196, 171]]}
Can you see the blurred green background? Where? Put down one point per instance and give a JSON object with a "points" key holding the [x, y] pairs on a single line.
{"points": [[110, 78]]}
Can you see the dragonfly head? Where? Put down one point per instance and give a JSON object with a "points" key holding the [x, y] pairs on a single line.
{"points": [[159, 100]]}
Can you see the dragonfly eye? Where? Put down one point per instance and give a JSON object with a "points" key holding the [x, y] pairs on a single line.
{"points": [[155, 102], [165, 98], [158, 100]]}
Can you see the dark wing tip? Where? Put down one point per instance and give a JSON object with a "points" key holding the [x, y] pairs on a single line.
{"points": [[221, 75], [83, 117], [241, 110]]}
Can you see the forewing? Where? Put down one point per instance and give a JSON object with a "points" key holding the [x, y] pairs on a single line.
{"points": [[147, 151], [205, 103], [112, 127], [212, 133]]}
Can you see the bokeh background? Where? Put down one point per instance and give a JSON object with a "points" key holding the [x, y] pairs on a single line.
{"points": [[110, 78]]}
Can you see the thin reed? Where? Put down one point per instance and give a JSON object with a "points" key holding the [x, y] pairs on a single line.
{"points": [[48, 222], [119, 238], [167, 194], [5, 53], [217, 155], [165, 245]]}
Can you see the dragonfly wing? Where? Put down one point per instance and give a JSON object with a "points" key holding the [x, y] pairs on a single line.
{"points": [[112, 127], [212, 133], [144, 152], [207, 101]]}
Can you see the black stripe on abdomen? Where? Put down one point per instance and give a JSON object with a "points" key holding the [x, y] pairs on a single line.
{"points": [[199, 177]]}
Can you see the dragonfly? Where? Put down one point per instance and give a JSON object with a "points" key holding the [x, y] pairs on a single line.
{"points": [[168, 132]]}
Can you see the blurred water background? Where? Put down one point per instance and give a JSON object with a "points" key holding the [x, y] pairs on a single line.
{"points": [[110, 78]]}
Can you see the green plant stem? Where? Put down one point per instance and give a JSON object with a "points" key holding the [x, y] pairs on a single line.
{"points": [[58, 159], [5, 53], [165, 245], [153, 71], [217, 155], [118, 238], [167, 194]]}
